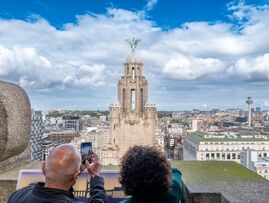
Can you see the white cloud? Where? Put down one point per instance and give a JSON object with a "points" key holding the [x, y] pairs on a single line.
{"points": [[265, 102], [91, 51], [150, 4], [25, 63], [189, 68], [87, 76], [251, 68], [24, 82], [247, 14], [33, 70]]}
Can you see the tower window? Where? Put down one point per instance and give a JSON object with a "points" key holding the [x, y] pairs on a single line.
{"points": [[123, 99], [133, 99], [142, 95], [133, 73]]}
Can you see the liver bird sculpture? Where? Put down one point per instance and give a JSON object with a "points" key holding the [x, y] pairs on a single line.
{"points": [[133, 43]]}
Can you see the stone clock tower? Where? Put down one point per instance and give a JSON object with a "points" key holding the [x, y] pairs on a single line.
{"points": [[132, 119]]}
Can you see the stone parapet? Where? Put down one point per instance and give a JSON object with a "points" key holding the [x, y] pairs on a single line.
{"points": [[6, 188], [221, 182], [204, 182]]}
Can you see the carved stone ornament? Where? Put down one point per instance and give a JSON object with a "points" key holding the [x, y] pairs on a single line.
{"points": [[132, 122]]}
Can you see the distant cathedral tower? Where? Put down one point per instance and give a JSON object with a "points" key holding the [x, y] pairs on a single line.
{"points": [[132, 120]]}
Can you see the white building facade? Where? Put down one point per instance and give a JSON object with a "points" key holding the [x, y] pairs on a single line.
{"points": [[47, 146], [257, 161], [201, 146]]}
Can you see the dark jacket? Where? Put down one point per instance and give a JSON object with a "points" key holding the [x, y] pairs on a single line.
{"points": [[37, 193], [173, 195]]}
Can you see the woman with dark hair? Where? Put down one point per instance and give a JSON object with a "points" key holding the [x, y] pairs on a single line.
{"points": [[146, 176]]}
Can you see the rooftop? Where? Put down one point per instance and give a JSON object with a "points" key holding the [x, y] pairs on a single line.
{"points": [[133, 58], [199, 137]]}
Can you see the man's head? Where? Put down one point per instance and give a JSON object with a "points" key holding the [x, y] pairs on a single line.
{"points": [[62, 166], [145, 172]]}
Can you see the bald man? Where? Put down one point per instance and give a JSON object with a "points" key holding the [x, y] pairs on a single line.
{"points": [[61, 171]]}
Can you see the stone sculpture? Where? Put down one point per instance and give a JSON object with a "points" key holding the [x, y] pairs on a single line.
{"points": [[15, 120], [133, 43]]}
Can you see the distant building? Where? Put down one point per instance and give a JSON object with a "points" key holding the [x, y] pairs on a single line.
{"points": [[176, 114], [213, 128], [266, 123], [242, 113], [258, 110], [159, 134], [94, 121], [103, 119], [109, 154], [202, 146], [52, 121], [64, 136], [257, 161], [36, 136], [47, 146], [197, 124], [100, 139], [196, 111], [241, 119], [215, 111], [72, 123], [178, 151], [175, 130], [60, 124]]}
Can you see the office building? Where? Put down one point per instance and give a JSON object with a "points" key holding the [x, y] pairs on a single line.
{"points": [[72, 123], [225, 147], [36, 136], [64, 136]]}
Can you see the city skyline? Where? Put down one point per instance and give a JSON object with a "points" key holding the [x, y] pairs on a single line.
{"points": [[196, 54]]}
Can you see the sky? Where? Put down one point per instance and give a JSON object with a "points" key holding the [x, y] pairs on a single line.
{"points": [[69, 54]]}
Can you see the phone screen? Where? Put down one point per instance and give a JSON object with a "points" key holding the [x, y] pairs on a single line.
{"points": [[86, 150]]}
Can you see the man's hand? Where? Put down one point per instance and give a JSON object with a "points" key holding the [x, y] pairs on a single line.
{"points": [[94, 167]]}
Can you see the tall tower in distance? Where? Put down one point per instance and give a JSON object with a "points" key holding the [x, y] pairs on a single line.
{"points": [[132, 119], [249, 102]]}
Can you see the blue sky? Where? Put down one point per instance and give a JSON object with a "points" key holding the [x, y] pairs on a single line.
{"points": [[164, 14], [197, 53]]}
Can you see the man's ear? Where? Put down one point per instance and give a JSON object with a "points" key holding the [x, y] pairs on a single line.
{"points": [[44, 168], [75, 176]]}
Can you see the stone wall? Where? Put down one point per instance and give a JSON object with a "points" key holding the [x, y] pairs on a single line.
{"points": [[3, 127], [202, 197]]}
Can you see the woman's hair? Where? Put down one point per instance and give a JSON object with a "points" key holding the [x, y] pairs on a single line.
{"points": [[145, 172]]}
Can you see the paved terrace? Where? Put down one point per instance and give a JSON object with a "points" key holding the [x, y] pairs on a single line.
{"points": [[205, 181]]}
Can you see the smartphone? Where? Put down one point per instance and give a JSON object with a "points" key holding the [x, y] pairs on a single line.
{"points": [[86, 151]]}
